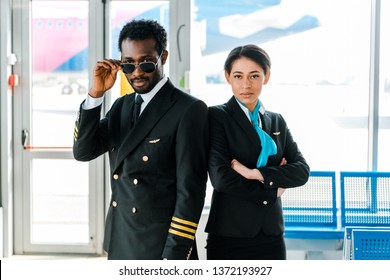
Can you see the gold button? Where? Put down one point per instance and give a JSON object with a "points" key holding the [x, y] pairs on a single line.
{"points": [[114, 203], [135, 181], [265, 202], [116, 176], [145, 158], [134, 210], [271, 183]]}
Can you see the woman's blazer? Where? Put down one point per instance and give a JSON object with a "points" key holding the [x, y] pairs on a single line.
{"points": [[242, 207]]}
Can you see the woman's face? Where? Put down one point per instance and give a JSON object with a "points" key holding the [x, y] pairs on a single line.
{"points": [[247, 79]]}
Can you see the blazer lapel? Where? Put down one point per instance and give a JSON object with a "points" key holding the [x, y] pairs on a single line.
{"points": [[266, 123], [157, 107], [242, 121]]}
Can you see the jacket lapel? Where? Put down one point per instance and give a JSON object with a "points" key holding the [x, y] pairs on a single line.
{"points": [[266, 122], [155, 110], [242, 121]]}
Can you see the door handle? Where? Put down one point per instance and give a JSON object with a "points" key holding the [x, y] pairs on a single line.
{"points": [[24, 138]]}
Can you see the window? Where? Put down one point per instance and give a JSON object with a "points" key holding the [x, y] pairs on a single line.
{"points": [[320, 54], [384, 90]]}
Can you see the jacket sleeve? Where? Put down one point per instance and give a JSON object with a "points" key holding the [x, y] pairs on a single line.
{"points": [[90, 134], [223, 178], [295, 173], [191, 173]]}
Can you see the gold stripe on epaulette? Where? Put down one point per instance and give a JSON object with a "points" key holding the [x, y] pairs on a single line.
{"points": [[75, 128], [75, 134], [184, 222], [183, 228], [192, 237]]}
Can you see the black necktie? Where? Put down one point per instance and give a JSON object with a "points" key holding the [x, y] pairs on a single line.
{"points": [[137, 108]]}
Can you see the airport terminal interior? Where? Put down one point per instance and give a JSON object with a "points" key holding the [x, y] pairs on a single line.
{"points": [[330, 81]]}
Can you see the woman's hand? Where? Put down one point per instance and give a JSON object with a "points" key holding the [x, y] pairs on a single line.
{"points": [[251, 174], [254, 174], [281, 190]]}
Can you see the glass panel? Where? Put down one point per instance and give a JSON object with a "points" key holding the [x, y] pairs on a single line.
{"points": [[123, 12], [59, 69], [320, 54], [384, 90], [59, 201]]}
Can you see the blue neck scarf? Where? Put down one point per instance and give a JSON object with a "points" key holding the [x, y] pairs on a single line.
{"points": [[268, 145]]}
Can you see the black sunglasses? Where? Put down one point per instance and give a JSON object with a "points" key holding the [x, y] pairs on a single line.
{"points": [[147, 66]]}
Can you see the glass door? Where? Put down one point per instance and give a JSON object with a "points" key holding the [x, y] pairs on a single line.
{"points": [[58, 199]]}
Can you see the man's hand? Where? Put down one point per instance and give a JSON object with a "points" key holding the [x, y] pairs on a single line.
{"points": [[104, 76]]}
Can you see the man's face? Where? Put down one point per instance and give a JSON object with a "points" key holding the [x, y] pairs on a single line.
{"points": [[136, 52]]}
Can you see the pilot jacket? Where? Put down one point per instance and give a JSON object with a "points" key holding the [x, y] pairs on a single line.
{"points": [[241, 207], [158, 172]]}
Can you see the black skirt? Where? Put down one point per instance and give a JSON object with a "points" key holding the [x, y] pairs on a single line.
{"points": [[260, 247]]}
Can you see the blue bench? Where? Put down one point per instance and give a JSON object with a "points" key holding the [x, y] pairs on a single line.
{"points": [[370, 244], [353, 234], [310, 211], [317, 218], [365, 207], [365, 199]]}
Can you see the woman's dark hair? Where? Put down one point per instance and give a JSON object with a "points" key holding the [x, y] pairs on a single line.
{"points": [[144, 29], [253, 52]]}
